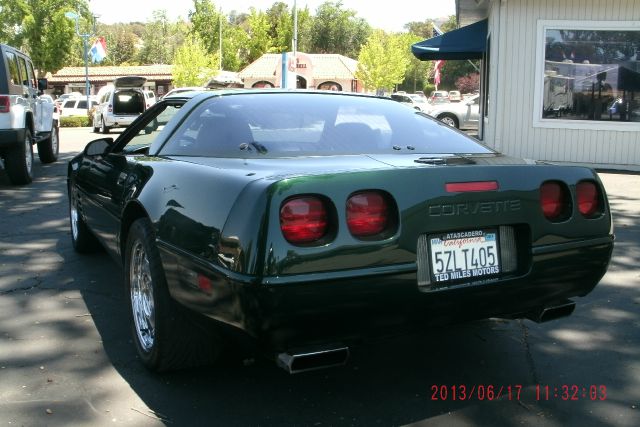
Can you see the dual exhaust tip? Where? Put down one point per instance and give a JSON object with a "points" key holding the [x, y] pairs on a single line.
{"points": [[311, 359], [554, 312]]}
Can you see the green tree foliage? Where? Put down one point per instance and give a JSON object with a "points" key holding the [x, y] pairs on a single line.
{"points": [[160, 39], [258, 31], [40, 28], [205, 24], [280, 26], [336, 30], [418, 72], [383, 61], [192, 64], [423, 29], [234, 51], [121, 44]]}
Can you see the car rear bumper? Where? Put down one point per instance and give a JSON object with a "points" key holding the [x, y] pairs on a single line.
{"points": [[290, 311], [119, 121]]}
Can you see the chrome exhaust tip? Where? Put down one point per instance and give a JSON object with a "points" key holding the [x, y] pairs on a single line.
{"points": [[309, 360], [554, 312]]}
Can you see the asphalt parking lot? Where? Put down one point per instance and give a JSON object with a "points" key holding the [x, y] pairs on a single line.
{"points": [[66, 358]]}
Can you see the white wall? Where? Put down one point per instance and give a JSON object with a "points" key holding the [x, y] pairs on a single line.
{"points": [[510, 126]]}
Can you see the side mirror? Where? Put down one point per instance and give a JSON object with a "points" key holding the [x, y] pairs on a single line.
{"points": [[98, 146], [43, 84]]}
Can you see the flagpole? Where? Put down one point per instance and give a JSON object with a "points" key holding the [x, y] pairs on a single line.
{"points": [[220, 37], [295, 29], [85, 38]]}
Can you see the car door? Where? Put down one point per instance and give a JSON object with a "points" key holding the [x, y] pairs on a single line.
{"points": [[107, 180], [472, 115], [27, 78]]}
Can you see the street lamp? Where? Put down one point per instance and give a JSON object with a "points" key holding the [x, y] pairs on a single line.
{"points": [[85, 38]]}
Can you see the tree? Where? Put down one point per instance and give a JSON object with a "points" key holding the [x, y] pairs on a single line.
{"points": [[259, 40], [469, 83], [192, 65], [121, 44], [234, 51], [40, 28], [383, 61], [205, 22], [417, 71], [160, 39], [336, 30]]}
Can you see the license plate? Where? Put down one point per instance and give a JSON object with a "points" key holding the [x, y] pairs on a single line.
{"points": [[464, 255]]}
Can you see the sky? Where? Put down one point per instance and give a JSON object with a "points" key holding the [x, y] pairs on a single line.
{"points": [[389, 16]]}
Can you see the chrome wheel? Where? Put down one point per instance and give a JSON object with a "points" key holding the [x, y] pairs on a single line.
{"points": [[142, 297], [447, 120], [28, 154], [54, 140], [74, 222]]}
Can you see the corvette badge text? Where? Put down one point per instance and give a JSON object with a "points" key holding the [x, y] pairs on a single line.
{"points": [[472, 208]]}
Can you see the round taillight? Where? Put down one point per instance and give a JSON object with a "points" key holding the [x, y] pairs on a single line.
{"points": [[553, 200], [303, 219], [367, 213], [588, 198]]}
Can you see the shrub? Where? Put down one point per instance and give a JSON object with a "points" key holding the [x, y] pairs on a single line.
{"points": [[74, 121], [428, 88]]}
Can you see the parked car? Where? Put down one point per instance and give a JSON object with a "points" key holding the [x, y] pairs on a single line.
{"points": [[438, 97], [50, 100], [25, 117], [178, 90], [455, 96], [77, 107], [308, 220], [150, 98], [62, 98], [411, 100], [119, 104], [461, 115]]}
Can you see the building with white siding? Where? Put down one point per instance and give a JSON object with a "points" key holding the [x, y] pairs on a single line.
{"points": [[561, 79]]}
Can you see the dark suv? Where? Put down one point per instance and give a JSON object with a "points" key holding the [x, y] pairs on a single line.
{"points": [[25, 119]]}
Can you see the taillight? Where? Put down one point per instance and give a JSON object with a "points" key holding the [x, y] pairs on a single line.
{"points": [[5, 104], [367, 213], [588, 199], [304, 219], [554, 200], [110, 108]]}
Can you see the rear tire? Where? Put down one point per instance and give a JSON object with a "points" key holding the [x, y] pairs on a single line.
{"points": [[103, 127], [19, 161], [49, 148], [167, 336]]}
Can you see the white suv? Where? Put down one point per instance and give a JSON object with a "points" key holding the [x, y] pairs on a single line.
{"points": [[119, 104], [25, 119]]}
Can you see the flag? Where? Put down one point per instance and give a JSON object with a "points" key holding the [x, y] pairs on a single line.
{"points": [[436, 77], [99, 50]]}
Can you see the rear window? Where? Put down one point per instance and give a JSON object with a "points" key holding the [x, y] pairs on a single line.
{"points": [[303, 124]]}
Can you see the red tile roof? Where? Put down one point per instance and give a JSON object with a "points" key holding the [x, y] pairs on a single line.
{"points": [[108, 73]]}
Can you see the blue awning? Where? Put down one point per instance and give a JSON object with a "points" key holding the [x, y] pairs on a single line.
{"points": [[464, 43]]}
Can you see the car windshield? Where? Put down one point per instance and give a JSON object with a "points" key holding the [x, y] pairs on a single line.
{"points": [[303, 124]]}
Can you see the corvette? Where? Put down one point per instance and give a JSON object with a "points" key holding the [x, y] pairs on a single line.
{"points": [[308, 221]]}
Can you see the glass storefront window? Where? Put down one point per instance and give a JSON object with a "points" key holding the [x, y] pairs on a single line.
{"points": [[591, 74]]}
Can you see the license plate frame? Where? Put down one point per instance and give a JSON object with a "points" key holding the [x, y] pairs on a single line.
{"points": [[467, 255]]}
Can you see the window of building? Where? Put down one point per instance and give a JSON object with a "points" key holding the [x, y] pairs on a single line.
{"points": [[588, 75]]}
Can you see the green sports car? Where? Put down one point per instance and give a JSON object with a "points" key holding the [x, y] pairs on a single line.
{"points": [[307, 221]]}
